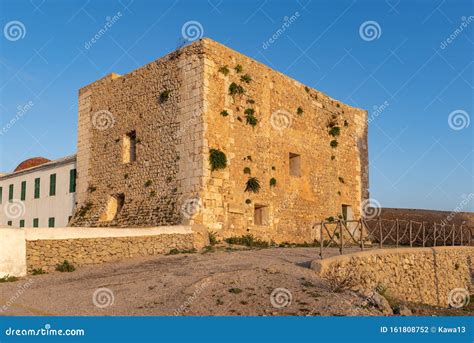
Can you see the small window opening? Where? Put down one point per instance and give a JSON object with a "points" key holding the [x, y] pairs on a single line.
{"points": [[129, 152], [295, 164], [260, 216], [114, 206], [347, 213]]}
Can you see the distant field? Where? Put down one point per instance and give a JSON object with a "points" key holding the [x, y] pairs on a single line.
{"points": [[466, 218]]}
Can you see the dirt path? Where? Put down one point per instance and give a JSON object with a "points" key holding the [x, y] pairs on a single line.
{"points": [[218, 283]]}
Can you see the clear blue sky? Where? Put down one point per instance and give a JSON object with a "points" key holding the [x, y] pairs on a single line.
{"points": [[417, 160]]}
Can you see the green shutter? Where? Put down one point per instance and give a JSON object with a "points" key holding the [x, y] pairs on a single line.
{"points": [[35, 222], [37, 188], [22, 223], [52, 184], [51, 222], [1, 195], [9, 223], [10, 193], [23, 190], [72, 180]]}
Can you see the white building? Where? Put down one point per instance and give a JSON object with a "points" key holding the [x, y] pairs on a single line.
{"points": [[38, 193]]}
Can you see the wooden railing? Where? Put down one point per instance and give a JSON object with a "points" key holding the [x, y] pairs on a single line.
{"points": [[389, 233]]}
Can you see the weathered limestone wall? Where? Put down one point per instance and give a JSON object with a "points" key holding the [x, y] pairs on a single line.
{"points": [[295, 202], [12, 252], [169, 142], [424, 275], [91, 246]]}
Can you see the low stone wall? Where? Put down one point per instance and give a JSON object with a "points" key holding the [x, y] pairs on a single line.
{"points": [[46, 254], [423, 275], [22, 250]]}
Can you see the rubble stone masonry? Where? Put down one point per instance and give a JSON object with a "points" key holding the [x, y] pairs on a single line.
{"points": [[179, 107]]}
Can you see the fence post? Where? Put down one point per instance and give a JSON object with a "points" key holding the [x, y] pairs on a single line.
{"points": [[341, 239], [380, 231], [398, 231], [361, 234], [454, 229], [423, 228], [321, 241], [434, 234], [411, 244]]}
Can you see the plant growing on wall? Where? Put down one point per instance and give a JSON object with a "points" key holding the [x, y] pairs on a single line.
{"points": [[273, 182], [246, 170], [217, 159], [236, 89], [335, 131], [250, 116], [341, 180], [238, 68], [333, 143], [299, 110], [164, 96], [252, 185], [246, 78], [248, 201], [224, 113], [224, 70]]}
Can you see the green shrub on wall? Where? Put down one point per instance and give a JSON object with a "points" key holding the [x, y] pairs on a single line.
{"points": [[252, 185], [217, 159]]}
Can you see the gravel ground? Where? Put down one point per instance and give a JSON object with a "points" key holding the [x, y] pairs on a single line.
{"points": [[237, 282]]}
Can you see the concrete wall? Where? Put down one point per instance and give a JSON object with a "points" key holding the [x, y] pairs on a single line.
{"points": [[424, 275], [12, 252], [23, 250], [59, 206]]}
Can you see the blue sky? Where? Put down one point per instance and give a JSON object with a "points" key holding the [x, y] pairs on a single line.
{"points": [[403, 71]]}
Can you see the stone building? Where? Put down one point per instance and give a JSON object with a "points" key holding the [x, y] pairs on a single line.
{"points": [[208, 137], [38, 193]]}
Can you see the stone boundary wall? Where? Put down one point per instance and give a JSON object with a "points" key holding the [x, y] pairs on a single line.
{"points": [[422, 275], [36, 248]]}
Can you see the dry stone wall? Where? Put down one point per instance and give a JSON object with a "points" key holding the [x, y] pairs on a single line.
{"points": [[46, 254], [422, 275]]}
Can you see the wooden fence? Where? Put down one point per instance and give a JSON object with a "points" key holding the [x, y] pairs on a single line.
{"points": [[389, 233]]}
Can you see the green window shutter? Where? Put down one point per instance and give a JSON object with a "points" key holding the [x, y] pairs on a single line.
{"points": [[72, 180], [22, 223], [51, 222], [1, 195], [10, 193], [52, 184], [35, 222], [23, 190], [9, 223], [37, 188]]}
